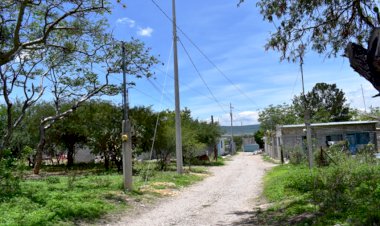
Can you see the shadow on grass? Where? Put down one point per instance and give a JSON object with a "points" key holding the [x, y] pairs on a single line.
{"points": [[294, 213]]}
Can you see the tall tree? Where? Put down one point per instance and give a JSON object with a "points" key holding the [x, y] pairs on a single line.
{"points": [[35, 37], [104, 124], [281, 114], [331, 27], [325, 102]]}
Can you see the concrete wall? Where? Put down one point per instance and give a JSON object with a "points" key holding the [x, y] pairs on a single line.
{"points": [[290, 137]]}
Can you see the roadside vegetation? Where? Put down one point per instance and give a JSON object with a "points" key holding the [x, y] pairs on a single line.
{"points": [[66, 193], [342, 190], [88, 192]]}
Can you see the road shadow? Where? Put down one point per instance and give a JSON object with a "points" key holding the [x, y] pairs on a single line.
{"points": [[273, 217]]}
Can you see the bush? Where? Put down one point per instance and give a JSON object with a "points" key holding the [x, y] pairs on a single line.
{"points": [[145, 170], [346, 192], [297, 155], [350, 190], [11, 173]]}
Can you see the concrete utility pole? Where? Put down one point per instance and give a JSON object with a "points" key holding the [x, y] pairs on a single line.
{"points": [[365, 107], [215, 148], [307, 121], [178, 136], [126, 133], [232, 134]]}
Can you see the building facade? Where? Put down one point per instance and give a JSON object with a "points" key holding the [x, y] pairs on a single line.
{"points": [[356, 133]]}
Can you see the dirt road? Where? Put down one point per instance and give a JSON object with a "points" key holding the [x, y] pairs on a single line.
{"points": [[225, 198]]}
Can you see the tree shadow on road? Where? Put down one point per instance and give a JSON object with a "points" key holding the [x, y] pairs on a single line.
{"points": [[275, 216]]}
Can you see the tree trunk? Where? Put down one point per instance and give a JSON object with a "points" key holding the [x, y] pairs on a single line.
{"points": [[106, 162], [40, 150], [366, 62], [70, 155]]}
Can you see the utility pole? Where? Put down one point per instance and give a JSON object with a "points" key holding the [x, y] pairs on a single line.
{"points": [[178, 136], [232, 134], [215, 148], [365, 107], [126, 132], [307, 120]]}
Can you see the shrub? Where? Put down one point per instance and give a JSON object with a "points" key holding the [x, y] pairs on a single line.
{"points": [[346, 192], [11, 173], [145, 170], [297, 155], [350, 190]]}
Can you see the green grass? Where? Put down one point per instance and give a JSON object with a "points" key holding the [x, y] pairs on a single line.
{"points": [[346, 194], [267, 158], [68, 200]]}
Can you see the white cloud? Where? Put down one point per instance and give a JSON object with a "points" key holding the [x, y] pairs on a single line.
{"points": [[241, 118], [125, 20], [146, 32]]}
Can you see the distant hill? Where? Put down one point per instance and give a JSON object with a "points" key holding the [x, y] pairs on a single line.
{"points": [[240, 130]]}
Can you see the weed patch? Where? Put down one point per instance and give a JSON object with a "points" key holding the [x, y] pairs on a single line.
{"points": [[344, 193]]}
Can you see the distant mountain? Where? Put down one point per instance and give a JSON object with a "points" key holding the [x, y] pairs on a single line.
{"points": [[240, 130]]}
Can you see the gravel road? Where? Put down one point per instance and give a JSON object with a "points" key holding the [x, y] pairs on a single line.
{"points": [[224, 198]]}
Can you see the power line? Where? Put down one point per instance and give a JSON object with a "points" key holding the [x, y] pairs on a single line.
{"points": [[200, 76], [189, 87], [204, 55], [158, 89]]}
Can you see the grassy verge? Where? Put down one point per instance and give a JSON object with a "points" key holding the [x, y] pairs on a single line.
{"points": [[267, 158], [73, 198], [343, 194], [287, 187]]}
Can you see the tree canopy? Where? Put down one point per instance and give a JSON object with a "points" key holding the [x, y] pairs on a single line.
{"points": [[282, 114], [325, 102], [348, 28], [61, 47], [324, 26]]}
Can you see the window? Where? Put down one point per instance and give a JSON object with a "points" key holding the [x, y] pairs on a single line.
{"points": [[362, 138]]}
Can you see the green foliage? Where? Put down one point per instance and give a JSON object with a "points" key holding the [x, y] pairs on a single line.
{"points": [[324, 26], [9, 183], [238, 140], [145, 170], [297, 155], [11, 173], [259, 137], [282, 114], [326, 103], [346, 192]]}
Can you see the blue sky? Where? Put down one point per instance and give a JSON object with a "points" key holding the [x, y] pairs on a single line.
{"points": [[233, 38]]}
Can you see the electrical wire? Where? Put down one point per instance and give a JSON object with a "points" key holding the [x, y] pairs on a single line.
{"points": [[205, 56], [158, 115], [201, 77]]}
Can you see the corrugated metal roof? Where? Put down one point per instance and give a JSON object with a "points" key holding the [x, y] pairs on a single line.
{"points": [[331, 124]]}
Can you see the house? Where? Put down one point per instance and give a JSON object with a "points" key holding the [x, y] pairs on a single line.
{"points": [[221, 146], [356, 133], [249, 144]]}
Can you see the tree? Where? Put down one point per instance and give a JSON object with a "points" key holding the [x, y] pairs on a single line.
{"points": [[331, 27], [143, 120], [325, 102], [281, 114], [104, 124], [259, 136], [70, 132], [79, 81], [35, 37]]}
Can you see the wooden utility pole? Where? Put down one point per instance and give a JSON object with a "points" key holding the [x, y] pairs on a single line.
{"points": [[126, 132], [178, 143]]}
